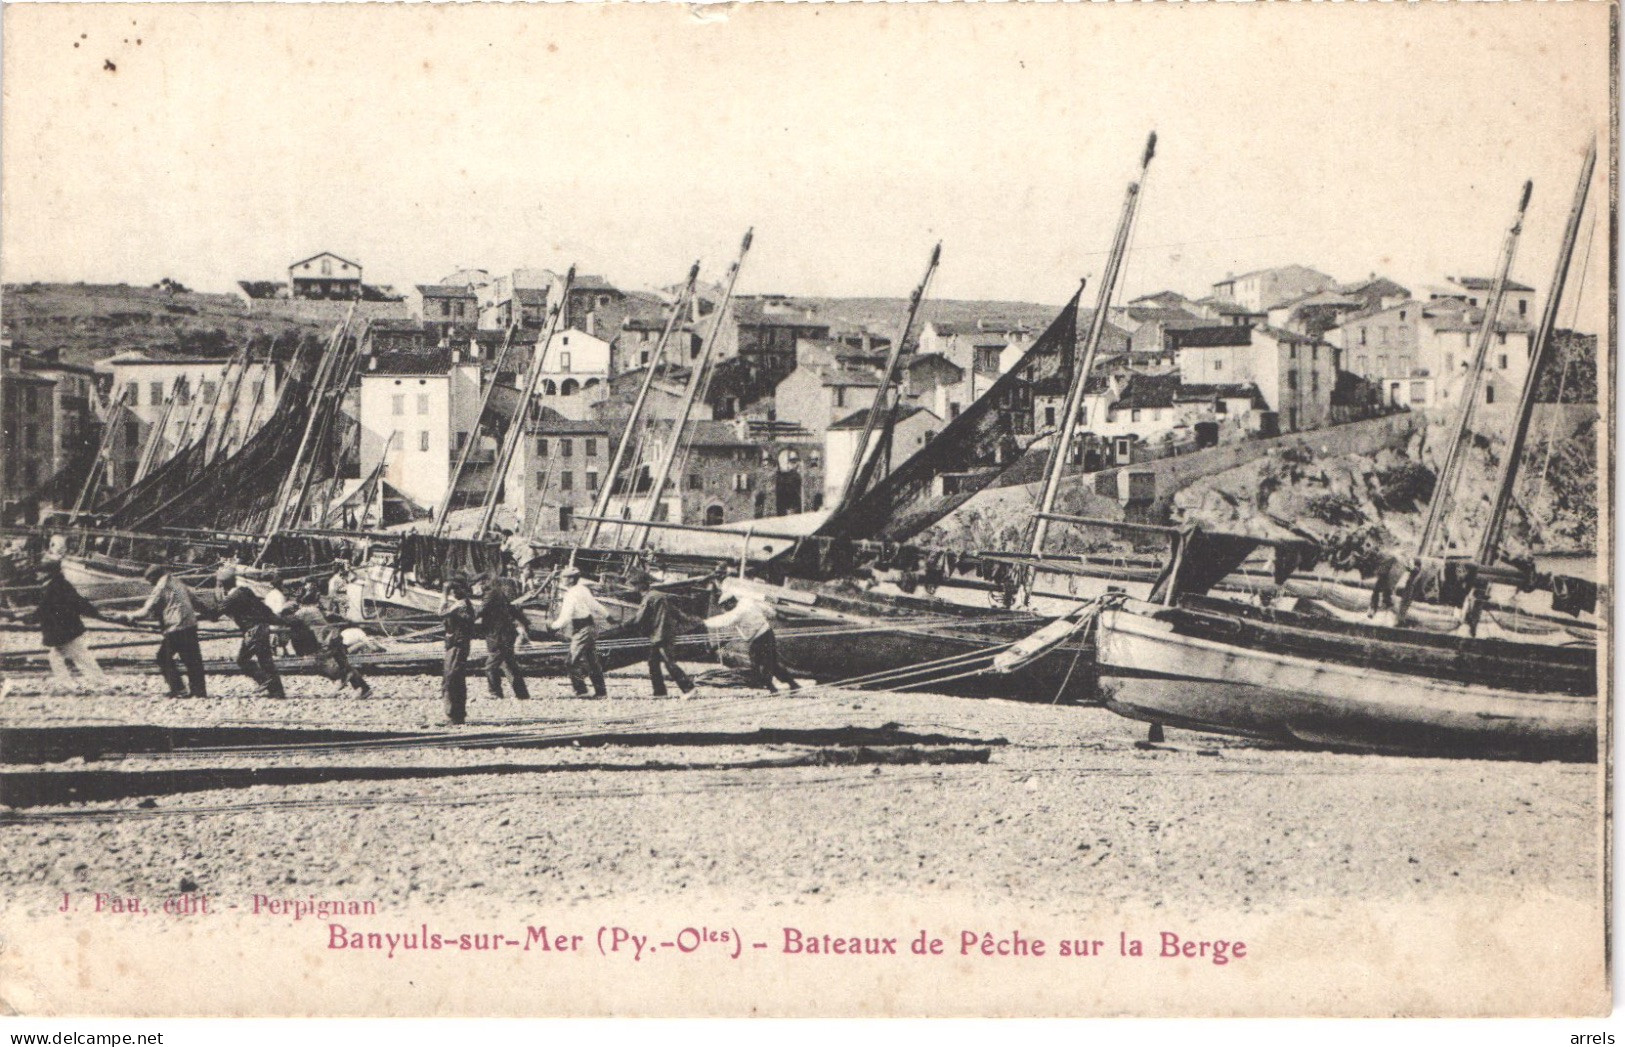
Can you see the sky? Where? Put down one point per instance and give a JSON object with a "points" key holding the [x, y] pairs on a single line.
{"points": [[212, 143]]}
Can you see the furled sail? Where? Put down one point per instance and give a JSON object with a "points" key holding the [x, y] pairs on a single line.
{"points": [[988, 437]]}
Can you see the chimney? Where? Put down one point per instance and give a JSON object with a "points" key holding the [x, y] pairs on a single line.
{"points": [[372, 363]]}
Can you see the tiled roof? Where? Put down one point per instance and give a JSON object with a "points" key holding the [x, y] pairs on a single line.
{"points": [[329, 254], [1229, 391], [932, 360], [592, 282], [1484, 283], [1149, 390], [1210, 337], [858, 419], [706, 433], [446, 291], [433, 361], [1292, 267], [841, 376], [548, 422]]}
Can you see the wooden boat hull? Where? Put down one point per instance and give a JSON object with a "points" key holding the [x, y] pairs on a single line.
{"points": [[841, 636], [1153, 669], [100, 583]]}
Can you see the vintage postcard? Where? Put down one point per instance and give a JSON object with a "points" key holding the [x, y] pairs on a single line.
{"points": [[807, 509]]}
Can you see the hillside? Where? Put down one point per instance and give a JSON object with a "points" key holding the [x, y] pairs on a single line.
{"points": [[884, 315], [1377, 501], [88, 322]]}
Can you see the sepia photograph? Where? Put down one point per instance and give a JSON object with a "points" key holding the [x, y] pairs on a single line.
{"points": [[807, 510]]}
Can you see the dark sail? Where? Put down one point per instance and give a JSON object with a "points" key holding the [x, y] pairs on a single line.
{"points": [[987, 438], [236, 492]]}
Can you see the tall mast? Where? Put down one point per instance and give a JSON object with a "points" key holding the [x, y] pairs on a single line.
{"points": [[1444, 487], [696, 378], [888, 380], [1061, 450], [97, 464], [324, 371], [516, 430], [601, 504], [323, 436], [247, 430], [230, 410], [1539, 354], [474, 436], [156, 437]]}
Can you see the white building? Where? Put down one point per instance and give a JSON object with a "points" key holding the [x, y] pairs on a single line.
{"points": [[416, 411], [199, 386], [574, 374], [1264, 289], [1420, 353], [1294, 373], [914, 429]]}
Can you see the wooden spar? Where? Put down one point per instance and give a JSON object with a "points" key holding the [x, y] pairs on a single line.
{"points": [[717, 531], [1061, 449], [315, 429], [516, 428], [184, 438], [601, 504], [211, 408], [1115, 525], [230, 446], [230, 410], [473, 437], [156, 437], [370, 486], [1540, 354], [80, 504], [696, 378], [324, 377], [1442, 490], [888, 381], [350, 361]]}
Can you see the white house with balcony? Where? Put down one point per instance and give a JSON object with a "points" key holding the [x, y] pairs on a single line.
{"points": [[574, 374]]}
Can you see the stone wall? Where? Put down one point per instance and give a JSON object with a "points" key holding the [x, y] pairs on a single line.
{"points": [[312, 310], [1079, 491]]}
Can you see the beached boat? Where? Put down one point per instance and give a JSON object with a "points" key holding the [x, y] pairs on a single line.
{"points": [[1185, 659], [1222, 666]]}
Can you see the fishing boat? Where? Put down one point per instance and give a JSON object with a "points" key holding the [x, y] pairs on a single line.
{"points": [[1186, 659]]}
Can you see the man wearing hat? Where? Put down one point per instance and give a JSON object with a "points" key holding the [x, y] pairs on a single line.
{"points": [[579, 609], [254, 619], [753, 618], [660, 619], [171, 604], [458, 616], [501, 623], [62, 630]]}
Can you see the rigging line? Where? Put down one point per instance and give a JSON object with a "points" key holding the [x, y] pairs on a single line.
{"points": [[1128, 245], [1552, 419]]}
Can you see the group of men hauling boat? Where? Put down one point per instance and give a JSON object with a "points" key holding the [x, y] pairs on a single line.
{"points": [[484, 608]]}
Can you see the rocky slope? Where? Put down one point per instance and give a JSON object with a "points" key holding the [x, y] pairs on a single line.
{"points": [[1380, 500]]}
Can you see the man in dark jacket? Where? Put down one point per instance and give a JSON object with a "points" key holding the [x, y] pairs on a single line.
{"points": [[314, 633], [254, 619], [661, 621], [501, 623], [62, 629], [458, 615]]}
